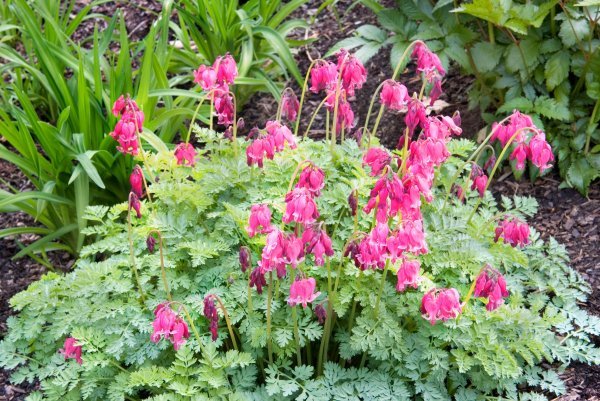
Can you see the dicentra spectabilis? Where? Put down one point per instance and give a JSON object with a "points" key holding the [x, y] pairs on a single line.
{"points": [[377, 159], [206, 77], [441, 304], [436, 90], [540, 152], [259, 221], [317, 242], [479, 180], [294, 251], [312, 178], [520, 154], [245, 258], [168, 325], [517, 122], [279, 135], [302, 292], [345, 118], [408, 237], [226, 68], [185, 154], [457, 191], [289, 105], [490, 284], [427, 61], [386, 197], [429, 151], [416, 115], [129, 125], [394, 95], [134, 203], [353, 202], [257, 279], [353, 73], [260, 148], [273, 255], [514, 232], [224, 107], [136, 180], [300, 207], [210, 312], [150, 243], [323, 75], [371, 252], [71, 350], [408, 275]]}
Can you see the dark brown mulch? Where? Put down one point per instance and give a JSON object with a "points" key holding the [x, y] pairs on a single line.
{"points": [[139, 16]]}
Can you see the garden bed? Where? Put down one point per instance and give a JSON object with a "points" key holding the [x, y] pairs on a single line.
{"points": [[572, 219]]}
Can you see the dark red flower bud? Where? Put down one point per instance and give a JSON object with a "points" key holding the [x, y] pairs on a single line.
{"points": [[245, 260], [353, 201], [150, 243], [321, 313]]}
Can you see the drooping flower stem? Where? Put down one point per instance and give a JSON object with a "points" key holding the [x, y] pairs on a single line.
{"points": [[195, 115], [295, 320], [497, 164], [381, 287], [471, 290], [162, 263], [227, 320], [304, 86], [132, 254], [269, 300], [191, 322], [250, 308], [235, 144], [212, 110], [314, 115], [295, 173], [381, 108]]}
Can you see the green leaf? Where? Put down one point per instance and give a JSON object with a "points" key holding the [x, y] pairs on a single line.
{"points": [[557, 69], [580, 174], [573, 31], [486, 56], [520, 103], [85, 159], [549, 107]]}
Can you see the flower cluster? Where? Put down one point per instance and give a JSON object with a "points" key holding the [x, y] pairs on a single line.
{"points": [[216, 80], [480, 180], [129, 125], [71, 350], [268, 141], [185, 154], [303, 292], [513, 231], [168, 325], [339, 81], [490, 284], [441, 304], [529, 142]]}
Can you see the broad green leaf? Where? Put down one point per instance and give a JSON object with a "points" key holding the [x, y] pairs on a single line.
{"points": [[557, 69], [520, 103], [574, 30], [486, 56]]}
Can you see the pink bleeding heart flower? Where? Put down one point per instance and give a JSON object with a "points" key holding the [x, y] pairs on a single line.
{"points": [[408, 237], [312, 178], [134, 203], [479, 180], [71, 350], [136, 180], [323, 75], [520, 154], [302, 292], [386, 196], [168, 325], [353, 73], [513, 231], [129, 125], [441, 304], [259, 221], [377, 159], [416, 115], [491, 284], [408, 275], [226, 69], [300, 207], [206, 77], [224, 107], [371, 252], [540, 152], [394, 95], [185, 154], [427, 61], [457, 191], [210, 312], [436, 90], [515, 126], [289, 105], [273, 255], [280, 135], [429, 151], [294, 250], [260, 148], [318, 243], [118, 106]]}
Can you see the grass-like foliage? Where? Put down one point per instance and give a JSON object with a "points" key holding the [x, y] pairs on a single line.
{"points": [[389, 352]]}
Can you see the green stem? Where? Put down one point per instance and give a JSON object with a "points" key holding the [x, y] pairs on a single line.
{"points": [[314, 115], [589, 130], [192, 325], [162, 264], [295, 319], [491, 33], [381, 287], [212, 110], [269, 299], [228, 321], [131, 252], [195, 115], [304, 86]]}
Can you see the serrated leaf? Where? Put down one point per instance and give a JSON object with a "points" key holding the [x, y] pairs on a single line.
{"points": [[557, 69]]}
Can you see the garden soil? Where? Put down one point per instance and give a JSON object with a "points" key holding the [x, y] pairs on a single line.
{"points": [[572, 219]]}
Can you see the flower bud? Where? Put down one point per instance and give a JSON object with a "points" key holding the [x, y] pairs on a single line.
{"points": [[353, 202], [151, 243], [245, 260]]}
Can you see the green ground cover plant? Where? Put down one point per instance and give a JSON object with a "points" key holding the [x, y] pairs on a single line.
{"points": [[280, 268]]}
